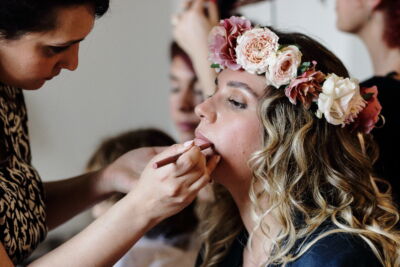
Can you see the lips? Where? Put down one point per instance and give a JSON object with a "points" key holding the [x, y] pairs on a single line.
{"points": [[201, 139]]}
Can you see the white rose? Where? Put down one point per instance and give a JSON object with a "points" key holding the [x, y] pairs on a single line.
{"points": [[340, 100], [254, 49], [283, 67]]}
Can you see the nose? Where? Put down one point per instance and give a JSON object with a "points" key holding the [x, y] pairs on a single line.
{"points": [[71, 58], [206, 111], [186, 100]]}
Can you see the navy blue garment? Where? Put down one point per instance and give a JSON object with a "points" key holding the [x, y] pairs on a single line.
{"points": [[387, 137], [335, 250]]}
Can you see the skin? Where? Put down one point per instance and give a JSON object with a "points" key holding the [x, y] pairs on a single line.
{"points": [[36, 57], [185, 94], [230, 121], [191, 33], [364, 19], [31, 60]]}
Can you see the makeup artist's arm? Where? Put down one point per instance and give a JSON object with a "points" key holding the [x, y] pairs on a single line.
{"points": [[191, 33], [158, 194], [67, 198]]}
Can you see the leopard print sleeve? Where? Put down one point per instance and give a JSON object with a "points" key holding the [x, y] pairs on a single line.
{"points": [[22, 210]]}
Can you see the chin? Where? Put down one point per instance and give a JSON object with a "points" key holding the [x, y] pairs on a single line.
{"points": [[33, 86]]}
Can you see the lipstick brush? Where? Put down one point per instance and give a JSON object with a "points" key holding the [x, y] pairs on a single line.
{"points": [[174, 158]]}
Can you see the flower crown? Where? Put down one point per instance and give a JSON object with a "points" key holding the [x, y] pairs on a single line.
{"points": [[236, 45]]}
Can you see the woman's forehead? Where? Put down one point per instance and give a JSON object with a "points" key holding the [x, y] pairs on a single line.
{"points": [[256, 83]]}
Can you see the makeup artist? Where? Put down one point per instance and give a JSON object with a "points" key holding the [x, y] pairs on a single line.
{"points": [[38, 39]]}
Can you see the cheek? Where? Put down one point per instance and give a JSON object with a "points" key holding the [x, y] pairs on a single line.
{"points": [[237, 146]]}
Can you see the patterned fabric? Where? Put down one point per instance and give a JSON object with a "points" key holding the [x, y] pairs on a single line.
{"points": [[22, 210]]}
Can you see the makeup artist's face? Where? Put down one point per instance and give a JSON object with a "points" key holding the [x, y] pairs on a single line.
{"points": [[229, 120], [34, 58], [185, 95], [351, 15]]}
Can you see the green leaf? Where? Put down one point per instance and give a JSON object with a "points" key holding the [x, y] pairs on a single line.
{"points": [[367, 96], [304, 67], [215, 66]]}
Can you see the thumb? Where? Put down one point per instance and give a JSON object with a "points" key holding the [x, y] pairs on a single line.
{"points": [[213, 13], [197, 5]]}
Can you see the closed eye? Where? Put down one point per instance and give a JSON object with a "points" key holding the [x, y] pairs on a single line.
{"points": [[57, 49], [237, 104]]}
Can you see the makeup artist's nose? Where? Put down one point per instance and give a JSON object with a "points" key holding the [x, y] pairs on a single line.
{"points": [[71, 58], [205, 110]]}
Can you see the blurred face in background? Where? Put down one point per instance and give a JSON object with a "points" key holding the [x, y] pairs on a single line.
{"points": [[184, 96], [352, 15]]}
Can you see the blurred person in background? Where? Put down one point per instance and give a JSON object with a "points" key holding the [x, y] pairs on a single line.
{"points": [[377, 24]]}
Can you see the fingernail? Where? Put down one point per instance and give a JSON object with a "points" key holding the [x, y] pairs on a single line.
{"points": [[188, 143]]}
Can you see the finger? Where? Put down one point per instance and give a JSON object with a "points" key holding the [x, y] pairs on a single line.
{"points": [[189, 160], [159, 149], [173, 150], [197, 5], [213, 14], [199, 184], [212, 163]]}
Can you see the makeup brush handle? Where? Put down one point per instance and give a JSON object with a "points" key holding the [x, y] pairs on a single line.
{"points": [[174, 158]]}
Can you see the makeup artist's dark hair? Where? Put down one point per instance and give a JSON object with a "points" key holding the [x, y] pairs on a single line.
{"points": [[391, 33], [18, 17]]}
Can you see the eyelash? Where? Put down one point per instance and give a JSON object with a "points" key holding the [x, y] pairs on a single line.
{"points": [[237, 104], [53, 50]]}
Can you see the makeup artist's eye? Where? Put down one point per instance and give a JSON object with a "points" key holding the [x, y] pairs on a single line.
{"points": [[53, 50], [237, 104]]}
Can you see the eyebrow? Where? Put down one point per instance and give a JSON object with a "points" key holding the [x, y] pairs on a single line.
{"points": [[70, 42], [241, 85]]}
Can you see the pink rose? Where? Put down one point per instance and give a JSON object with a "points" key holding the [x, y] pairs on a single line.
{"points": [[369, 116], [306, 87], [222, 41], [283, 68], [255, 49]]}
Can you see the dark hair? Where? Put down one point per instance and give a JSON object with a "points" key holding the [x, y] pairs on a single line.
{"points": [[312, 50], [183, 223], [176, 51], [391, 33], [18, 17], [226, 8]]}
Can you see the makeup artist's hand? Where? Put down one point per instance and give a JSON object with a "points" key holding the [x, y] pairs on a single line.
{"points": [[191, 29], [167, 190], [124, 173]]}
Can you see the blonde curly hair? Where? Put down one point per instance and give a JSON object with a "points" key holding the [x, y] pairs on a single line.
{"points": [[308, 169]]}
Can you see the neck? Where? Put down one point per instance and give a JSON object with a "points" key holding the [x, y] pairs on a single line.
{"points": [[384, 58], [260, 243]]}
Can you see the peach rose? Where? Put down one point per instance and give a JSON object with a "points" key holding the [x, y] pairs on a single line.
{"points": [[283, 67], [255, 48]]}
